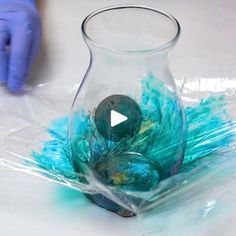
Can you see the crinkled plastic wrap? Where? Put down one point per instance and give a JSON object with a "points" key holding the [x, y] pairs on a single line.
{"points": [[34, 140]]}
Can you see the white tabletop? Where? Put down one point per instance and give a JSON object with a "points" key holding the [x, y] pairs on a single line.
{"points": [[33, 206]]}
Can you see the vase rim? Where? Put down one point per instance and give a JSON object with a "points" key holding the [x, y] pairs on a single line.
{"points": [[162, 47]]}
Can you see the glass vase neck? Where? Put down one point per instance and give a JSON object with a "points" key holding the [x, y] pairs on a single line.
{"points": [[131, 29]]}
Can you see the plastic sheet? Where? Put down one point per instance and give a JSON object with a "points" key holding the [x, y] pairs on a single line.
{"points": [[210, 154]]}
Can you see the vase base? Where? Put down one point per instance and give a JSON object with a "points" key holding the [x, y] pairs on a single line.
{"points": [[109, 205]]}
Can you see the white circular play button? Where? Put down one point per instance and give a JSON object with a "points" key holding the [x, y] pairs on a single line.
{"points": [[117, 118]]}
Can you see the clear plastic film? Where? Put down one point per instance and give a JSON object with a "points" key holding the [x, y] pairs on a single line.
{"points": [[30, 144]]}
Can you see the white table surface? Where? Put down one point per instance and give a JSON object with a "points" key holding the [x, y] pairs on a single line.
{"points": [[33, 206]]}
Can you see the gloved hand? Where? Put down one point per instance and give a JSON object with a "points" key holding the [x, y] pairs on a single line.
{"points": [[20, 36]]}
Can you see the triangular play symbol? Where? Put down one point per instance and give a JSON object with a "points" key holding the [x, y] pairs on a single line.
{"points": [[117, 118]]}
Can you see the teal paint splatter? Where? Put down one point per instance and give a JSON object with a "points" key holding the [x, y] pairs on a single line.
{"points": [[209, 132], [55, 152]]}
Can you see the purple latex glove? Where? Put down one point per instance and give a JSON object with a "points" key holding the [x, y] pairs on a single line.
{"points": [[20, 36]]}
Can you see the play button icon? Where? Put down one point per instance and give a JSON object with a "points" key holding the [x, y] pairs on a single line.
{"points": [[118, 117]]}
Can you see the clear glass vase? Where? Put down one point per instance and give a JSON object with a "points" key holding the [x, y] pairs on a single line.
{"points": [[127, 126]]}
